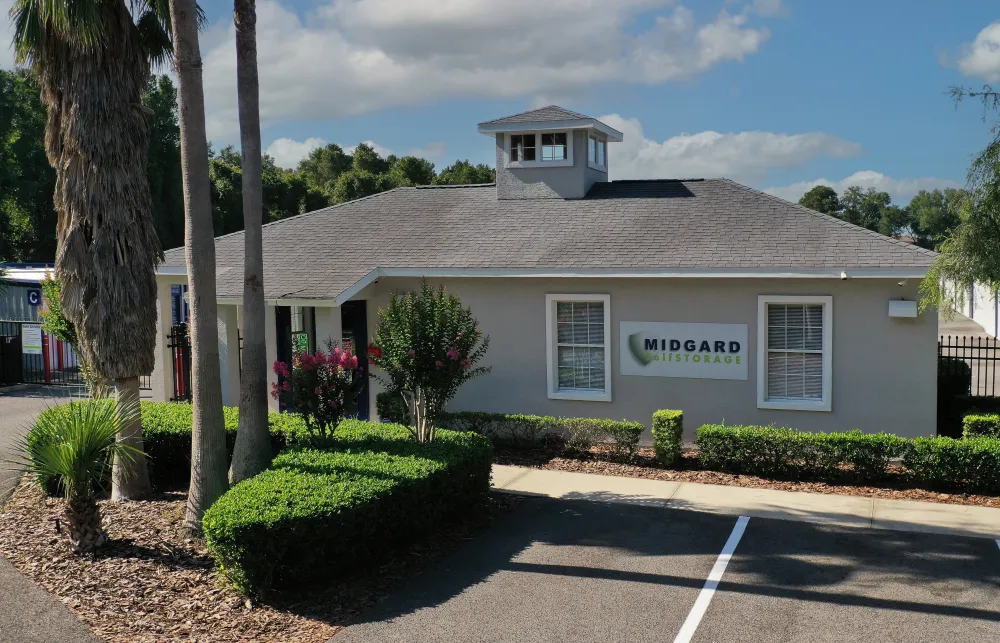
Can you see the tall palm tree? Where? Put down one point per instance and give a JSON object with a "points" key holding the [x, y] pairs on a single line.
{"points": [[92, 58], [252, 453], [208, 438]]}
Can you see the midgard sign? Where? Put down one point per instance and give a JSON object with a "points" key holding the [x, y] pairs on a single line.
{"points": [[667, 349]]}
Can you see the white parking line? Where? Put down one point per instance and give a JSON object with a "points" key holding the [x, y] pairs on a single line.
{"points": [[705, 596]]}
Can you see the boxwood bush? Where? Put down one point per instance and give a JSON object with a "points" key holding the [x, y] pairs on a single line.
{"points": [[317, 513], [166, 429], [668, 432], [969, 465], [979, 424], [524, 430], [780, 452]]}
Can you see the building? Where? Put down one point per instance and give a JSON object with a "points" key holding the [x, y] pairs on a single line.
{"points": [[611, 298], [27, 353]]}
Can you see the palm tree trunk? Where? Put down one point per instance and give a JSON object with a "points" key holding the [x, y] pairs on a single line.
{"points": [[129, 479], [252, 453], [208, 437], [83, 525]]}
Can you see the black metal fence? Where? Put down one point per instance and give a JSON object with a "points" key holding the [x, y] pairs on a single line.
{"points": [[179, 343], [968, 365], [46, 361]]}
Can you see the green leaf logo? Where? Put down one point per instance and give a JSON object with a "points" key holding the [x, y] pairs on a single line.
{"points": [[638, 352]]}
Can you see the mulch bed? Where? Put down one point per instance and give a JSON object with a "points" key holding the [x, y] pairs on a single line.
{"points": [[150, 583], [601, 459]]}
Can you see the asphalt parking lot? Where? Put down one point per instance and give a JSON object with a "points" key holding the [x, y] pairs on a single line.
{"points": [[580, 571]]}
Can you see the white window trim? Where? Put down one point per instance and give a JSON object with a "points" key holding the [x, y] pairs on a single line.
{"points": [[550, 349], [566, 162], [824, 404], [594, 165]]}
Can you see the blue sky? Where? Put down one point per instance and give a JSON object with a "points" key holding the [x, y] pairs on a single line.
{"points": [[777, 94]]}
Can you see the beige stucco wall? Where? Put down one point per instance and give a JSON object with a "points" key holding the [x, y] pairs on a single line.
{"points": [[884, 369]]}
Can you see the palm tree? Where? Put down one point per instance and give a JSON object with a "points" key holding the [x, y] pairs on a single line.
{"points": [[73, 446], [92, 58], [252, 453], [208, 438]]}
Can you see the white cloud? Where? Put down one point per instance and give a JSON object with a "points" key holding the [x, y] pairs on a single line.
{"points": [[743, 156], [354, 56], [981, 58], [287, 152], [432, 151], [381, 151], [901, 190]]}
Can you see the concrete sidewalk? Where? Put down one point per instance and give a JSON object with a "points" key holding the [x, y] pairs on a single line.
{"points": [[851, 511]]}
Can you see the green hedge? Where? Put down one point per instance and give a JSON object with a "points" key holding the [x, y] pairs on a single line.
{"points": [[970, 465], [980, 424], [524, 430], [668, 433], [780, 452], [391, 407], [315, 513], [166, 430]]}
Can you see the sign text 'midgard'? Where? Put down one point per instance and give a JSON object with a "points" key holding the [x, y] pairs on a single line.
{"points": [[677, 349]]}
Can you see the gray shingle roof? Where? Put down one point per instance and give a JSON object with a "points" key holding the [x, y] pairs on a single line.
{"points": [[540, 115], [712, 224]]}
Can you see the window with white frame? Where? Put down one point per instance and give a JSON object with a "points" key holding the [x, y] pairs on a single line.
{"points": [[794, 359], [578, 343], [554, 146], [522, 147], [596, 149]]}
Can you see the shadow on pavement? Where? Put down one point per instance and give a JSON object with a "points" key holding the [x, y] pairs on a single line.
{"points": [[570, 539]]}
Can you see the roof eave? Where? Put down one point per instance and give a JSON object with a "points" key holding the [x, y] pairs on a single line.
{"points": [[492, 129]]}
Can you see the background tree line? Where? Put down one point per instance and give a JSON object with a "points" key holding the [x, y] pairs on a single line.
{"points": [[327, 176], [928, 219]]}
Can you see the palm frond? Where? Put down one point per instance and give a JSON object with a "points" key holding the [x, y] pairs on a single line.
{"points": [[80, 22], [155, 39], [74, 445]]}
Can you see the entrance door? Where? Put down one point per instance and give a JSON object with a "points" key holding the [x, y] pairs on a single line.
{"points": [[354, 322]]}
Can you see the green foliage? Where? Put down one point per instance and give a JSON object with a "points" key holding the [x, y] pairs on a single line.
{"points": [[51, 315], [975, 425], [356, 184], [779, 452], [166, 428], [163, 163], [821, 198], [315, 514], [954, 377], [427, 346], [27, 181], [968, 465], [971, 255], [413, 171], [366, 159], [390, 405], [668, 433], [72, 450], [936, 213], [465, 173], [584, 433], [503, 428]]}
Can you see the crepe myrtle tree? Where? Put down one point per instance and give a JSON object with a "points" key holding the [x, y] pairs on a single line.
{"points": [[427, 346]]}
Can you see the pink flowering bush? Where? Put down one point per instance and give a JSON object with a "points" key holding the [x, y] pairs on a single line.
{"points": [[321, 387], [426, 346]]}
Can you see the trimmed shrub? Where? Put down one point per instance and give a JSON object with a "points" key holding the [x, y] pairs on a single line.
{"points": [[668, 431], [952, 410], [166, 431], [954, 376], [582, 433], [315, 513], [780, 452], [625, 435], [969, 465], [503, 428], [978, 424]]}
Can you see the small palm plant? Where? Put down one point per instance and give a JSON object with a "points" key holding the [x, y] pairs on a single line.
{"points": [[74, 448]]}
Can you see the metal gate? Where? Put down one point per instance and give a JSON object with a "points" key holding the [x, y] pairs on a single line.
{"points": [[179, 343], [53, 362]]}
